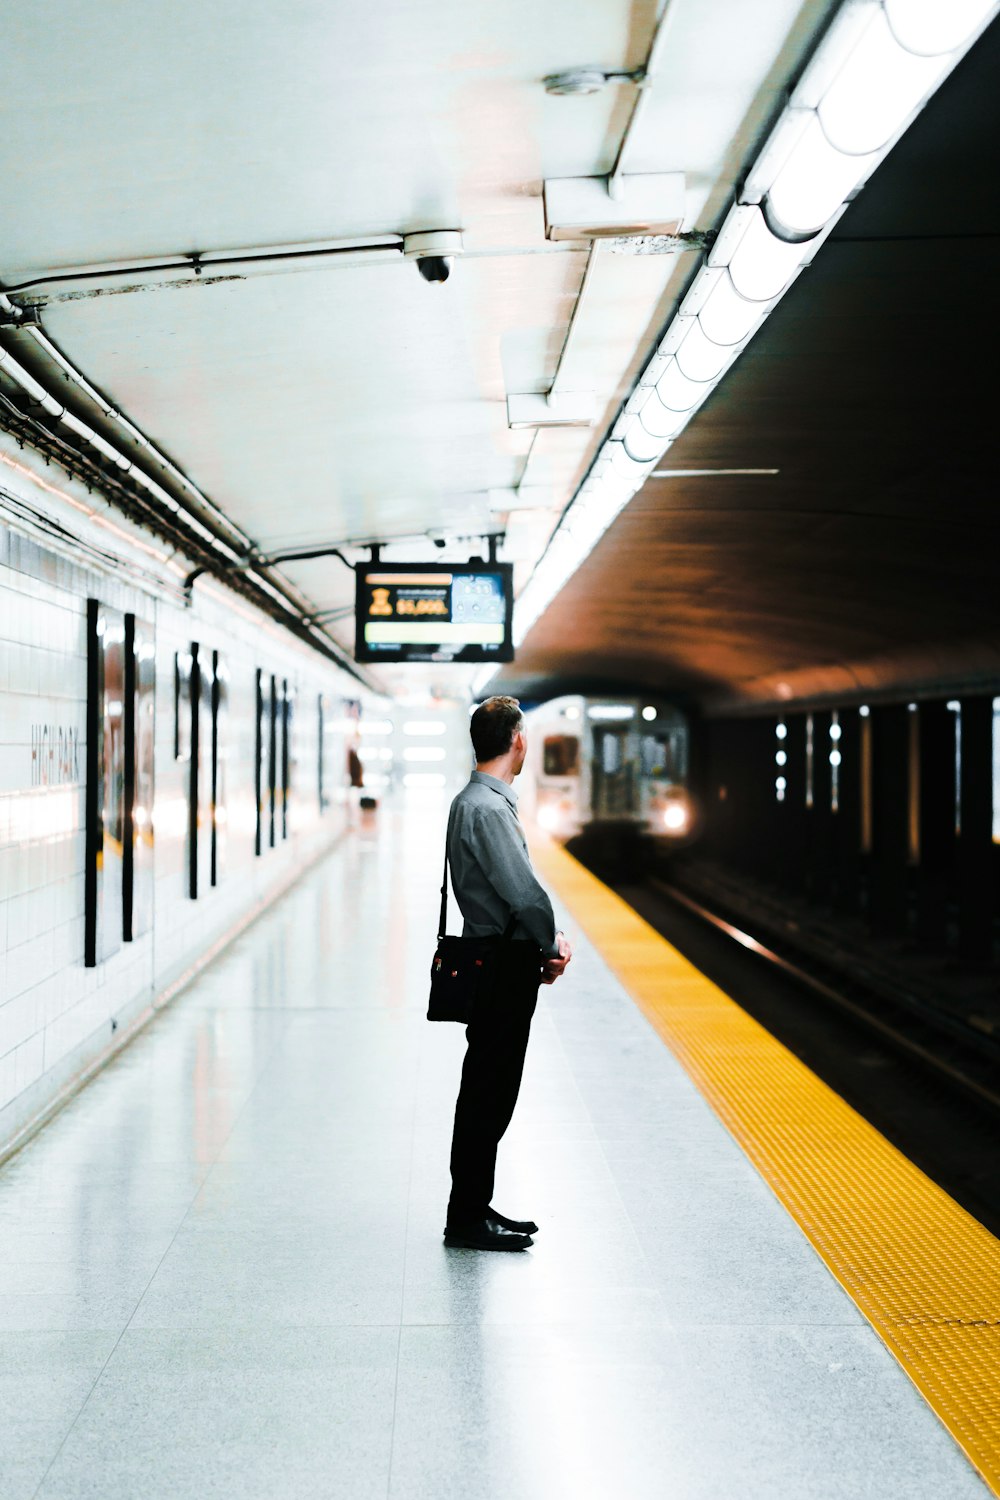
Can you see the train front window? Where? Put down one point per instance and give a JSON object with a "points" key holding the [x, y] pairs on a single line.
{"points": [[659, 757], [561, 755]]}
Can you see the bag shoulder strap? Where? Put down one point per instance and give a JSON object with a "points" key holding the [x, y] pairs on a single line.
{"points": [[443, 917]]}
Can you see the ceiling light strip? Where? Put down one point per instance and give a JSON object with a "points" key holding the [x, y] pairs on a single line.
{"points": [[875, 68]]}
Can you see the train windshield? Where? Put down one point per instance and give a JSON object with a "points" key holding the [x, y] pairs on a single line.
{"points": [[561, 755], [662, 756]]}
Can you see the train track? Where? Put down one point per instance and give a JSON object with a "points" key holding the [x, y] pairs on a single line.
{"points": [[928, 1081]]}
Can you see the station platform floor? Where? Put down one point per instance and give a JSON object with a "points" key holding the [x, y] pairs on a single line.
{"points": [[222, 1270]]}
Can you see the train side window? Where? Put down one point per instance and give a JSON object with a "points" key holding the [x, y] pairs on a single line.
{"points": [[561, 755]]}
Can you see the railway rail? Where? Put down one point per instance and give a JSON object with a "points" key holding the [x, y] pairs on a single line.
{"points": [[923, 1077]]}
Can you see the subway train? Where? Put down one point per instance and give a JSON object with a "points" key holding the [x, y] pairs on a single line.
{"points": [[610, 771]]}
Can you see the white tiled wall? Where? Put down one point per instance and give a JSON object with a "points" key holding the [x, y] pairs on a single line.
{"points": [[56, 1016]]}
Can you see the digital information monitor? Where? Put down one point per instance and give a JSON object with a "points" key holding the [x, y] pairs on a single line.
{"points": [[438, 612]]}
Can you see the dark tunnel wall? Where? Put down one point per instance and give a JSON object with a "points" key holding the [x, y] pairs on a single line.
{"points": [[898, 831]]}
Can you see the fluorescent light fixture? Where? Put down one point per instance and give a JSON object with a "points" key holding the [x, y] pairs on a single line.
{"points": [[874, 95], [699, 357], [424, 752], [569, 409], [762, 265], [929, 26], [642, 445], [677, 391], [815, 180], [375, 726], [425, 726], [424, 779], [876, 66], [728, 318], [660, 421]]}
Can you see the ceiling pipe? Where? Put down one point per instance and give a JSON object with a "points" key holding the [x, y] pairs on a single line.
{"points": [[112, 414], [616, 187], [585, 284], [296, 617], [254, 564], [198, 262]]}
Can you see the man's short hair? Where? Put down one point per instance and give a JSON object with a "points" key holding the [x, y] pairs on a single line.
{"points": [[493, 727]]}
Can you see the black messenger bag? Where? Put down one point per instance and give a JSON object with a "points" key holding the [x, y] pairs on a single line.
{"points": [[461, 965]]}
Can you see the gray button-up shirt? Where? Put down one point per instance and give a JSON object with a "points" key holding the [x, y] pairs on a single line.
{"points": [[491, 873]]}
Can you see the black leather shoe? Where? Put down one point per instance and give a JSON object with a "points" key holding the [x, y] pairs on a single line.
{"points": [[486, 1233], [519, 1226]]}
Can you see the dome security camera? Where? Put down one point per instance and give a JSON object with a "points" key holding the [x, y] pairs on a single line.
{"points": [[434, 252]]}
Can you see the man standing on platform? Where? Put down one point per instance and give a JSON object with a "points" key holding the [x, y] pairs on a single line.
{"points": [[494, 883]]}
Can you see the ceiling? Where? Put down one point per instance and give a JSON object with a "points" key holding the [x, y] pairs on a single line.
{"points": [[352, 400]]}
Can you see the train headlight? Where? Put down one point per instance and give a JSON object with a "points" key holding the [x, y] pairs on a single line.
{"points": [[548, 817], [675, 817]]}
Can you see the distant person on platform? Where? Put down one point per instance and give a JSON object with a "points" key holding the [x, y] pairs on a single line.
{"points": [[355, 770], [493, 881]]}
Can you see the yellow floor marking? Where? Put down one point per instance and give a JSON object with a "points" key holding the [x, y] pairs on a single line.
{"points": [[924, 1272]]}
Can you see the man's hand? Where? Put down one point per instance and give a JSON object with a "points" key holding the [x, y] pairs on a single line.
{"points": [[554, 967]]}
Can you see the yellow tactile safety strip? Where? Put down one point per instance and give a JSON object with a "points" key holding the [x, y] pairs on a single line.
{"points": [[924, 1273]]}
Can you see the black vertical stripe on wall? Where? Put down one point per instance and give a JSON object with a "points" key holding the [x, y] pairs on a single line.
{"points": [[319, 756], [92, 806], [285, 713], [214, 876], [128, 812], [272, 756], [259, 765], [195, 696]]}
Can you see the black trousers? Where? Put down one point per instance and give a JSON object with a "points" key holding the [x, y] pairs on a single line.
{"points": [[491, 1075]]}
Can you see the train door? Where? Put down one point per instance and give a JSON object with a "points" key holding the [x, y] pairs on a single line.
{"points": [[613, 782]]}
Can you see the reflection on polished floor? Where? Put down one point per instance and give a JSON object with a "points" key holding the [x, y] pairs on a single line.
{"points": [[222, 1274]]}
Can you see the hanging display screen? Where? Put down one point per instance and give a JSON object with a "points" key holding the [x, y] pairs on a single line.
{"points": [[440, 612]]}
